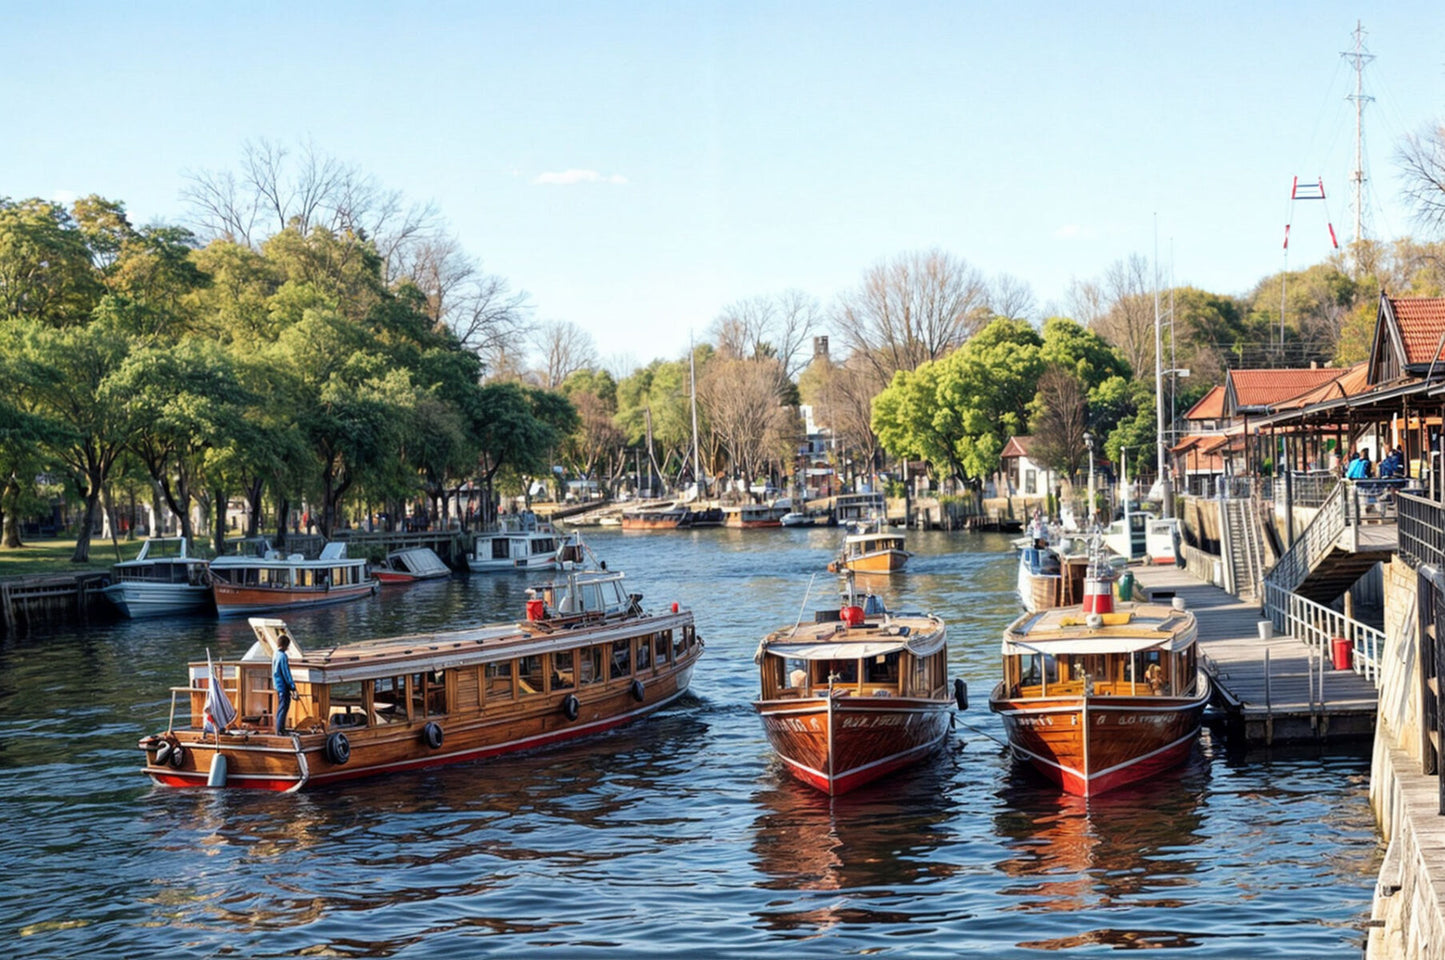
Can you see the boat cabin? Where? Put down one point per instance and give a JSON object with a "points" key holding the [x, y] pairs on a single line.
{"points": [[162, 560], [1145, 652]]}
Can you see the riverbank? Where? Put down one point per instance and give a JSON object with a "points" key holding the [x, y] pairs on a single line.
{"points": [[43, 557]]}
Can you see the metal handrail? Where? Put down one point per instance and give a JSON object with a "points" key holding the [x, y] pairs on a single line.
{"points": [[1422, 530], [1318, 625], [1314, 543]]}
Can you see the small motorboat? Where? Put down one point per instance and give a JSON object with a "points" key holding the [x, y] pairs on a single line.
{"points": [[411, 565]]}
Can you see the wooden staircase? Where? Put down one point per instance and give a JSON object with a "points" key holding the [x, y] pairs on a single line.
{"points": [[1331, 553], [1245, 545]]}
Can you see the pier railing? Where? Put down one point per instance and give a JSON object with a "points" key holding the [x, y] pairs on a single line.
{"points": [[1318, 626], [1422, 531], [1317, 540]]}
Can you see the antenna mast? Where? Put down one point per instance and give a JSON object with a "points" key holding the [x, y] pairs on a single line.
{"points": [[1360, 59]]}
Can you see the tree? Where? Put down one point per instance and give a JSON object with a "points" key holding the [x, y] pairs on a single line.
{"points": [[1422, 160], [1128, 320], [46, 273], [776, 326], [918, 307], [743, 403], [597, 442], [565, 348], [1060, 420]]}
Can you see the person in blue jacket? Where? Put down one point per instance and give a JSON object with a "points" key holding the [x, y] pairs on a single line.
{"points": [[1359, 467], [281, 680]]}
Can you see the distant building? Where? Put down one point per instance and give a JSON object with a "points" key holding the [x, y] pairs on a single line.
{"points": [[1025, 476]]}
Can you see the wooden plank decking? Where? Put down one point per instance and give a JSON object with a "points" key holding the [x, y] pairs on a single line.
{"points": [[1295, 701]]}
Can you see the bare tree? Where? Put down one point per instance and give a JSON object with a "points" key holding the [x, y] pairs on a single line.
{"points": [[1422, 156], [742, 400], [565, 348], [479, 308], [917, 307], [1059, 422], [1086, 302], [842, 398], [1128, 321], [1011, 297], [769, 326]]}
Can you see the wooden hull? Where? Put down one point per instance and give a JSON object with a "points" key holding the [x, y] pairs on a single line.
{"points": [[264, 761], [882, 561], [234, 601], [733, 521], [650, 523], [1090, 745], [838, 744]]}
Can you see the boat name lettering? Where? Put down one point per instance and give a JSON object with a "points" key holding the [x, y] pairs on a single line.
{"points": [[882, 721], [791, 723], [1157, 719], [1044, 721]]}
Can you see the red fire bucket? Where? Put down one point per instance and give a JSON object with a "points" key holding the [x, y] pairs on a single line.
{"points": [[536, 610], [1342, 652]]}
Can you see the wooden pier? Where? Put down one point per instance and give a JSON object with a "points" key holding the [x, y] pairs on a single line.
{"points": [[26, 600], [1275, 690]]}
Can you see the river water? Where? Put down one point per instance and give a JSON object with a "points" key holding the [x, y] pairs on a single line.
{"points": [[679, 836]]}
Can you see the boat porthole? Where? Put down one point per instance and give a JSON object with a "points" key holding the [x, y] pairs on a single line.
{"points": [[178, 756], [432, 733], [637, 691], [960, 693], [338, 748], [571, 707], [163, 752]]}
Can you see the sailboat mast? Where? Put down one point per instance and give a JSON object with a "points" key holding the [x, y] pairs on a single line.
{"points": [[696, 460], [1165, 493]]}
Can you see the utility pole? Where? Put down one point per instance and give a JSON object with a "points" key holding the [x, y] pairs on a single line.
{"points": [[1167, 494], [1359, 58]]}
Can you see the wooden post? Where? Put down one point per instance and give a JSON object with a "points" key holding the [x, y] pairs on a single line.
{"points": [[1268, 708]]}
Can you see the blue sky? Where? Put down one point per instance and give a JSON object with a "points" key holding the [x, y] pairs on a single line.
{"points": [[636, 166]]}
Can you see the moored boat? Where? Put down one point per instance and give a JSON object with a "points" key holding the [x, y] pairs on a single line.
{"points": [[521, 543], [856, 695], [795, 518], [163, 579], [411, 565], [871, 549], [753, 515], [586, 659], [1095, 698], [260, 579]]}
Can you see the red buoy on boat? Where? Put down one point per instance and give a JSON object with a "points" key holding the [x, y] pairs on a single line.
{"points": [[536, 610], [1098, 595], [852, 616]]}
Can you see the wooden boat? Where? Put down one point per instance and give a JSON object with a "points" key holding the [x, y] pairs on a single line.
{"points": [[261, 579], [854, 696], [411, 565], [704, 517], [586, 659], [521, 543], [753, 515], [871, 549], [1051, 576], [1095, 698], [665, 517], [163, 579]]}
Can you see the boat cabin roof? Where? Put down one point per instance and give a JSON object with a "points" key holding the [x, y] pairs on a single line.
{"points": [[917, 633], [1132, 627]]}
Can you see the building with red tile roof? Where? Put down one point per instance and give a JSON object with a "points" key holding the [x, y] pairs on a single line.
{"points": [[1409, 338]]}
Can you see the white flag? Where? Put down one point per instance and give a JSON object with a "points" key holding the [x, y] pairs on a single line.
{"points": [[219, 712]]}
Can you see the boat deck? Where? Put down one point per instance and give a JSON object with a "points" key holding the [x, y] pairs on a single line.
{"points": [[1273, 691]]}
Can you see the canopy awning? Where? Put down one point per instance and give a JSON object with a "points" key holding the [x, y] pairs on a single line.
{"points": [[835, 651], [1109, 644]]}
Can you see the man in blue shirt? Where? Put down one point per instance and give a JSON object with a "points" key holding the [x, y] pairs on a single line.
{"points": [[281, 681], [1358, 468]]}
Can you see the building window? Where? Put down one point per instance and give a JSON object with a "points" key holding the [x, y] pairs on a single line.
{"points": [[1031, 482]]}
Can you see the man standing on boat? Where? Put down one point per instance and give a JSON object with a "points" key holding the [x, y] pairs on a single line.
{"points": [[281, 681]]}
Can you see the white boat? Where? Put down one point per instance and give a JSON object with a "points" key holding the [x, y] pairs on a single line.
{"points": [[794, 518], [521, 543], [163, 579], [411, 565]]}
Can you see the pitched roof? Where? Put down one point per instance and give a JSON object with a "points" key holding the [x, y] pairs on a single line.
{"points": [[1421, 321], [1016, 447], [1351, 380], [1209, 407], [1263, 388]]}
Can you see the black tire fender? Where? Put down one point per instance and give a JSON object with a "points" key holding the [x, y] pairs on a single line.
{"points": [[571, 707], [432, 734], [637, 690], [178, 755], [163, 753], [338, 748], [960, 693]]}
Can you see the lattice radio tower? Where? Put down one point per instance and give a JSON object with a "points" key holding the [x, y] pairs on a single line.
{"points": [[1359, 57]]}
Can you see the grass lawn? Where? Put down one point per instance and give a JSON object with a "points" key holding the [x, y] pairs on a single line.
{"points": [[53, 556]]}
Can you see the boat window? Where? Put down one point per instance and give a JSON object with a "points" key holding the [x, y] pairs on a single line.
{"points": [[677, 641], [562, 675], [659, 647], [1032, 676], [388, 699], [347, 707], [589, 669], [843, 671], [530, 675], [428, 694], [621, 658], [500, 549], [795, 670], [881, 669], [499, 680], [644, 655]]}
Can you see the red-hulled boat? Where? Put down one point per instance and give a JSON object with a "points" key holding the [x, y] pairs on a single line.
{"points": [[1095, 697], [854, 696]]}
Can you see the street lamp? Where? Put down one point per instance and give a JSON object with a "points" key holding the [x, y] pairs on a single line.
{"points": [[1089, 445]]}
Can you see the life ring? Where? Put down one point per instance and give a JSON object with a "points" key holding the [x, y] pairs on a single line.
{"points": [[338, 748], [178, 755], [163, 752], [432, 733], [571, 707], [637, 691], [960, 693]]}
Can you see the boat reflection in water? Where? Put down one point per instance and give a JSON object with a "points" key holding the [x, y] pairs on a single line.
{"points": [[1127, 852]]}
